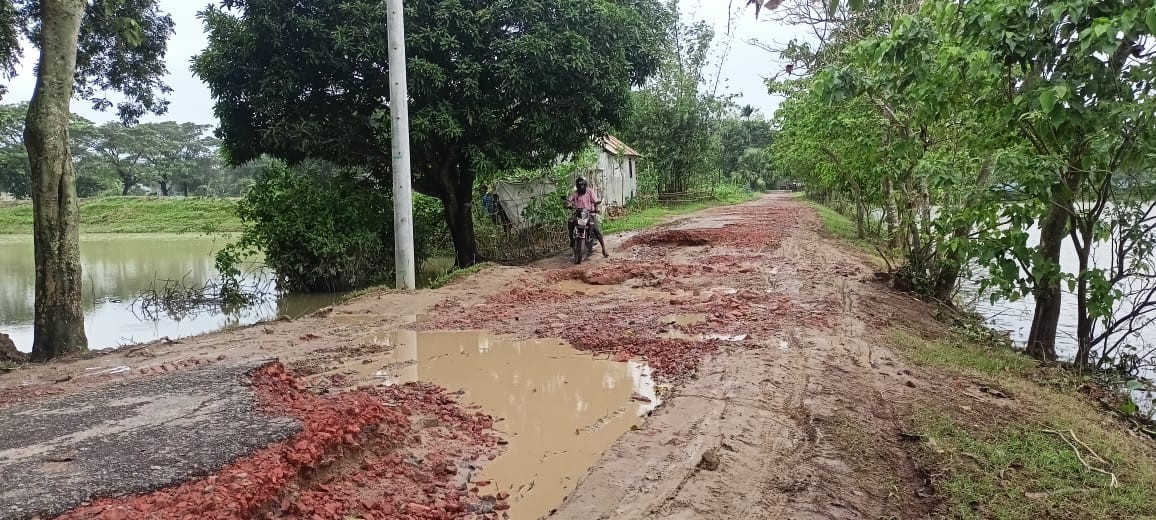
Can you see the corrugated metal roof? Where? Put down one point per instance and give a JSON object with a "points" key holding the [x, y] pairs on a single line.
{"points": [[613, 145]]}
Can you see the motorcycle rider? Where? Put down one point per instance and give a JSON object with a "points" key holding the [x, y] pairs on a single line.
{"points": [[583, 197]]}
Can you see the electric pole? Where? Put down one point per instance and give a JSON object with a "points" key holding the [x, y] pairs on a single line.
{"points": [[399, 114]]}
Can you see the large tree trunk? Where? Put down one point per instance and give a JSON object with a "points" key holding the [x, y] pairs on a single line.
{"points": [[455, 190], [126, 185], [59, 318], [164, 188]]}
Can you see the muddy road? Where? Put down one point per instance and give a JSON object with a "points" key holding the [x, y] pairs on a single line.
{"points": [[706, 370]]}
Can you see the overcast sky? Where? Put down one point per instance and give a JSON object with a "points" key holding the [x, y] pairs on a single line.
{"points": [[743, 70]]}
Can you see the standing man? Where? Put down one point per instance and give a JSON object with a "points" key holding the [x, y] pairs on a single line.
{"points": [[584, 197]]}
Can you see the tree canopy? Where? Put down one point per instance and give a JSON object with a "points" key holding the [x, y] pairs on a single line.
{"points": [[1027, 125], [504, 84]]}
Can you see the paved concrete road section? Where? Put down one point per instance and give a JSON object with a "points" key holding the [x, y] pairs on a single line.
{"points": [[127, 438]]}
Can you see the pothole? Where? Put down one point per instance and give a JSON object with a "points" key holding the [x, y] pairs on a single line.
{"points": [[560, 409]]}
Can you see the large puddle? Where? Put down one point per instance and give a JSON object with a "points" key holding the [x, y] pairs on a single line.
{"points": [[560, 409]]}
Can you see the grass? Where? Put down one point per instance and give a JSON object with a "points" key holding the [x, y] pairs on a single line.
{"points": [[1005, 462], [836, 223], [840, 226], [990, 360], [136, 215], [453, 275], [653, 215]]}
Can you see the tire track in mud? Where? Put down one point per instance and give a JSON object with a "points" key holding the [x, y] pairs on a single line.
{"points": [[752, 436]]}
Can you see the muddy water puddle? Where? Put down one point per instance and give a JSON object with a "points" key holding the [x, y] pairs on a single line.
{"points": [[560, 409], [683, 320], [580, 287]]}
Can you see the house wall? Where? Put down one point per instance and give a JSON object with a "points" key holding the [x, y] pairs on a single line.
{"points": [[615, 181]]}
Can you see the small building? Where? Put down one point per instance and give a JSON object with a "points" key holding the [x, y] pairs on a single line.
{"points": [[616, 178]]}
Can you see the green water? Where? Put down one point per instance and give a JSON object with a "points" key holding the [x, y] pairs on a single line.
{"points": [[118, 267]]}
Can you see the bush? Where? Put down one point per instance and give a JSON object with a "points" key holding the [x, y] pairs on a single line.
{"points": [[323, 228]]}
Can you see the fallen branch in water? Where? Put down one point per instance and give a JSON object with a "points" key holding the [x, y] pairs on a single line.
{"points": [[1115, 482], [180, 299]]}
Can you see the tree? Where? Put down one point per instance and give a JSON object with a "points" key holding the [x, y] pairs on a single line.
{"points": [[738, 134], [178, 153], [124, 150], [493, 85], [15, 171], [1053, 100], [86, 49], [672, 121], [1079, 74], [14, 176]]}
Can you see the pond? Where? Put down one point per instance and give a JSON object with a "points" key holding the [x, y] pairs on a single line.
{"points": [[117, 268], [1015, 317]]}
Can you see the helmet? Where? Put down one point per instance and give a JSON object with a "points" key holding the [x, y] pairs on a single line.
{"points": [[580, 182]]}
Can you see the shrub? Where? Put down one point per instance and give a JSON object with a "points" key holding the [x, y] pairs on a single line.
{"points": [[323, 228]]}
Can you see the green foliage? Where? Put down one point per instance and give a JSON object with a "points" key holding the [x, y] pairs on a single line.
{"points": [[737, 137], [672, 122], [121, 48], [943, 105], [493, 85], [324, 228], [16, 173], [754, 170]]}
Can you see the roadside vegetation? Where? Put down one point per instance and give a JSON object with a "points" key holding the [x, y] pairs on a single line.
{"points": [[1053, 445], [136, 215], [984, 140]]}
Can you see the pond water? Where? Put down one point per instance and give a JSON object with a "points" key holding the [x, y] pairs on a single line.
{"points": [[1015, 317], [117, 268]]}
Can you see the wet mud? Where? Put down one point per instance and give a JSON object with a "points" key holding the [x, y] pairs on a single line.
{"points": [[557, 409], [757, 335]]}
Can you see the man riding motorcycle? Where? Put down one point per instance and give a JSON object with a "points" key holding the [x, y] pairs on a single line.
{"points": [[584, 197]]}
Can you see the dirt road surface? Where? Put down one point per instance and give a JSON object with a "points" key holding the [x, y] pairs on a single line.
{"points": [[760, 337]]}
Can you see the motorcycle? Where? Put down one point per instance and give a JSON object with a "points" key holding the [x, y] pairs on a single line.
{"points": [[582, 240]]}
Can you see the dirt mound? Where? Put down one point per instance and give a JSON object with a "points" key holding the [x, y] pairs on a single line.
{"points": [[8, 352], [348, 460], [744, 229], [673, 237]]}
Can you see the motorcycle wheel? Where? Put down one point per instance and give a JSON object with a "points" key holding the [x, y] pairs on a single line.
{"points": [[577, 251]]}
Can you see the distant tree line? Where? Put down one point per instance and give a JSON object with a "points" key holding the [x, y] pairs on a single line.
{"points": [[165, 158]]}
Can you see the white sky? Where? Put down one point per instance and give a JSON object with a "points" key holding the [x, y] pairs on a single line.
{"points": [[742, 72]]}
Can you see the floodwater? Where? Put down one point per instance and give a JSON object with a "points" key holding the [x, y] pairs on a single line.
{"points": [[117, 268], [560, 409]]}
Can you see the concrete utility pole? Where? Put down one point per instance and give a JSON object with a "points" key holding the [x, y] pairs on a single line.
{"points": [[399, 114]]}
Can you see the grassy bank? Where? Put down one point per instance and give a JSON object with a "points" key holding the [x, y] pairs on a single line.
{"points": [[1042, 450], [1004, 437], [135, 215]]}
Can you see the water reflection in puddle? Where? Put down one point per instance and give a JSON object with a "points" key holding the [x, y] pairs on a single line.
{"points": [[561, 408]]}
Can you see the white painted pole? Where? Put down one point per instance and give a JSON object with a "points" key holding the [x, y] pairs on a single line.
{"points": [[399, 114]]}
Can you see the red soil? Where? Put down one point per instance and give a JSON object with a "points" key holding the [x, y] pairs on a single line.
{"points": [[297, 478]]}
